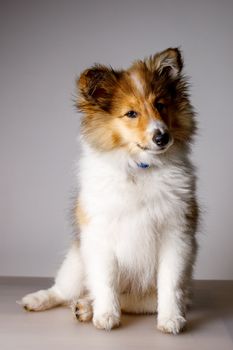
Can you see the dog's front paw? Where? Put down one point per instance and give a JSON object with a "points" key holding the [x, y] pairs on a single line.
{"points": [[172, 325], [106, 321]]}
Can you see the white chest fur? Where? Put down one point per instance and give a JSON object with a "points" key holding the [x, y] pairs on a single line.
{"points": [[130, 209]]}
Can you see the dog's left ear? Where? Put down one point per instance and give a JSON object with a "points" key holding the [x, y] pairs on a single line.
{"points": [[96, 86], [167, 62]]}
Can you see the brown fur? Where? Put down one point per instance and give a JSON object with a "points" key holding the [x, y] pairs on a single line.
{"points": [[81, 215]]}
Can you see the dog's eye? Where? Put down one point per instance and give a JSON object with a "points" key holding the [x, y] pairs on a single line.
{"points": [[131, 114], [160, 106]]}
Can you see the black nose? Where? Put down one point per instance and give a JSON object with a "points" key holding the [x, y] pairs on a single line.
{"points": [[161, 138]]}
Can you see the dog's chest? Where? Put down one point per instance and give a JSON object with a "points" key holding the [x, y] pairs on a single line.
{"points": [[131, 211], [136, 221], [130, 201]]}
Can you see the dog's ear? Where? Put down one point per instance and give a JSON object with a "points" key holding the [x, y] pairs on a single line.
{"points": [[168, 62], [96, 85]]}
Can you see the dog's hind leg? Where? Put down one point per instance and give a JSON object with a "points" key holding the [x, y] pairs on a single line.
{"points": [[82, 309], [68, 285], [42, 300]]}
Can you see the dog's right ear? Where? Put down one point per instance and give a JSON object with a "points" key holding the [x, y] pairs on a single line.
{"points": [[96, 86], [167, 62]]}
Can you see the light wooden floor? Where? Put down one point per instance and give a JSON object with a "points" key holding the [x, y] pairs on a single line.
{"points": [[210, 323]]}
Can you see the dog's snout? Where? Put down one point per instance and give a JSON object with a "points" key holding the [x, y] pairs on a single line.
{"points": [[161, 139]]}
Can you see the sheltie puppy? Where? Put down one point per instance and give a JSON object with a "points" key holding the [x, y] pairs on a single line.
{"points": [[136, 208]]}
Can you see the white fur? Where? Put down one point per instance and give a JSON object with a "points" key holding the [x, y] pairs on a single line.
{"points": [[137, 83], [136, 237]]}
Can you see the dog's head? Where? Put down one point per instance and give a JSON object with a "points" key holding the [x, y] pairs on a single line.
{"points": [[142, 109]]}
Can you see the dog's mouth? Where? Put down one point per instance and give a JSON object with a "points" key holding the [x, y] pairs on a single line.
{"points": [[144, 148], [153, 150]]}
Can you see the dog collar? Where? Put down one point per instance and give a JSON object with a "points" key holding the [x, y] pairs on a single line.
{"points": [[143, 165]]}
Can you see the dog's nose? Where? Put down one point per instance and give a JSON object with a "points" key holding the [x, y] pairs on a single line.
{"points": [[161, 138]]}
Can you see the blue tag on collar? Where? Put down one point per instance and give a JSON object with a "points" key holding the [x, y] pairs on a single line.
{"points": [[143, 165]]}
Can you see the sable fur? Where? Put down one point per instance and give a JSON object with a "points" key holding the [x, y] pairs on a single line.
{"points": [[136, 247]]}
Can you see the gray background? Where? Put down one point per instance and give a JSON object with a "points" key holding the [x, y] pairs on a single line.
{"points": [[44, 45]]}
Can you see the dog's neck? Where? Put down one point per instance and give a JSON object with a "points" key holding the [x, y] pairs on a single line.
{"points": [[122, 161]]}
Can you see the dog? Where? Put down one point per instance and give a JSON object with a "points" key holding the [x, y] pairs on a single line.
{"points": [[136, 207]]}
